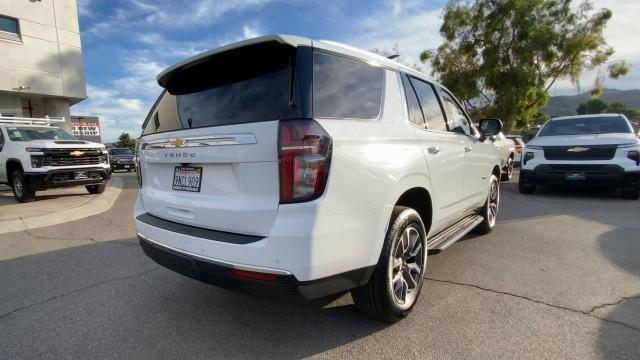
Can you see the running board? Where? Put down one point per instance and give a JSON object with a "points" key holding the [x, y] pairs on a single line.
{"points": [[454, 233]]}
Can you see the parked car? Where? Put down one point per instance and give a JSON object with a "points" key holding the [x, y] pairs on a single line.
{"points": [[122, 159], [507, 151], [319, 169], [519, 148], [34, 156], [585, 149]]}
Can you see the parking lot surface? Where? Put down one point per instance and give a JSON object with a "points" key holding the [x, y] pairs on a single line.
{"points": [[559, 277]]}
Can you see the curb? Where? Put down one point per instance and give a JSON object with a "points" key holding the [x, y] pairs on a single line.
{"points": [[94, 206]]}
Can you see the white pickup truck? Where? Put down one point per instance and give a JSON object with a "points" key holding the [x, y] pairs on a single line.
{"points": [[34, 155]]}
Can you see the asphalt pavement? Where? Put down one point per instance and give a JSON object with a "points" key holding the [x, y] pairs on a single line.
{"points": [[558, 278]]}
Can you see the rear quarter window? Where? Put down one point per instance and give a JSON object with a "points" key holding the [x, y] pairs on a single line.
{"points": [[346, 88]]}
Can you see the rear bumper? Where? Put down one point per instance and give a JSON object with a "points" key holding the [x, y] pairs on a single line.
{"points": [[65, 178], [557, 174], [221, 274]]}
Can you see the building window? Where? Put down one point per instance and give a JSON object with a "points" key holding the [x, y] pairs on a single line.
{"points": [[9, 28]]}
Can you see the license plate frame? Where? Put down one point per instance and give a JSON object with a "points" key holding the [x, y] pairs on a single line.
{"points": [[80, 175], [184, 178], [576, 176]]}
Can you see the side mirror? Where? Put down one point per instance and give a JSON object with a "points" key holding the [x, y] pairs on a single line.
{"points": [[490, 127]]}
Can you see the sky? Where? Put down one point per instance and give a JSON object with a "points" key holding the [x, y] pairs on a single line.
{"points": [[126, 43]]}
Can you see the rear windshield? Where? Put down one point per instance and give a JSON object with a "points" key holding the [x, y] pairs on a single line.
{"points": [[120, 152], [249, 84], [585, 126], [35, 133]]}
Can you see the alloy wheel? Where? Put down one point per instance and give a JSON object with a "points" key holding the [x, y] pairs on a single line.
{"points": [[494, 201], [407, 267]]}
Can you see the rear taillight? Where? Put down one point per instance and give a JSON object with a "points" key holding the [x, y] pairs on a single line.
{"points": [[304, 153], [137, 161]]}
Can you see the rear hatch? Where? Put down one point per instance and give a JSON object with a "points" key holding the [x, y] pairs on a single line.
{"points": [[209, 154]]}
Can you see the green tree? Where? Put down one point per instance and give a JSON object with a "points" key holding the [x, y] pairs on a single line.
{"points": [[620, 108], [592, 106], [508, 53], [125, 141]]}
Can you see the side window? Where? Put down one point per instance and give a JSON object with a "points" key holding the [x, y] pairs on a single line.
{"points": [[345, 88], [163, 115], [415, 114], [430, 105], [1, 140], [458, 122]]}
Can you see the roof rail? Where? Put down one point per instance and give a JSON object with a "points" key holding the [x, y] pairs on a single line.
{"points": [[33, 121]]}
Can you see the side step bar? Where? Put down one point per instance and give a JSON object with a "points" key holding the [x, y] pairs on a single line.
{"points": [[454, 233]]}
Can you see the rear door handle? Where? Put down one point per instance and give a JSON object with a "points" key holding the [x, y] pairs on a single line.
{"points": [[433, 150], [468, 149]]}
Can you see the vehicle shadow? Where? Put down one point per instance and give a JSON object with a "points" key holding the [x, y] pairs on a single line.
{"points": [[91, 299], [615, 341]]}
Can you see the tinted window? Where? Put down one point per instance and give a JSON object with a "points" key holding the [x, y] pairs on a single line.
{"points": [[581, 126], [120, 152], [345, 88], [458, 122], [8, 25], [430, 105], [248, 84], [415, 114]]}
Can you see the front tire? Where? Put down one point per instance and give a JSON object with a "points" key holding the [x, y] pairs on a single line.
{"points": [[96, 188], [490, 209], [507, 172], [22, 190], [632, 194], [525, 188], [395, 285]]}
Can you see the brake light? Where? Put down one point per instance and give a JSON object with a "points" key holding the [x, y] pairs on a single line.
{"points": [[304, 154], [137, 161]]}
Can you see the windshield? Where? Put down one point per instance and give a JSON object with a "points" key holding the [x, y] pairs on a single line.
{"points": [[120, 152], [36, 133], [586, 126]]}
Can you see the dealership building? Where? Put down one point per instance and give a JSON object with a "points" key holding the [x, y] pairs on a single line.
{"points": [[41, 72]]}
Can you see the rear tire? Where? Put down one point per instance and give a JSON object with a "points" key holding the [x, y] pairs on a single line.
{"points": [[633, 194], [508, 170], [22, 190], [394, 287], [490, 209], [96, 188], [525, 188]]}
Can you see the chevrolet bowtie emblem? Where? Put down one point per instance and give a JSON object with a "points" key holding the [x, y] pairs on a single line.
{"points": [[578, 149], [177, 142], [76, 153]]}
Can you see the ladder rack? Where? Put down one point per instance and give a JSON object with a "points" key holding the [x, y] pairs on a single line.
{"points": [[33, 121]]}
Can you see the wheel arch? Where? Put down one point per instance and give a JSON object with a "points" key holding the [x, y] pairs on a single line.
{"points": [[12, 165], [419, 199], [496, 171]]}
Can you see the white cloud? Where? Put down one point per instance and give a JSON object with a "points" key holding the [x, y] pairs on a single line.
{"points": [[174, 14], [413, 32]]}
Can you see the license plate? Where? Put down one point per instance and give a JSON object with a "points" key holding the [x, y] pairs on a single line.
{"points": [[579, 176], [187, 178], [80, 175], [127, 166]]}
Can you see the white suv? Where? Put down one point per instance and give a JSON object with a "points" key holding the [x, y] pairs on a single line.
{"points": [[285, 165], [37, 156], [584, 150]]}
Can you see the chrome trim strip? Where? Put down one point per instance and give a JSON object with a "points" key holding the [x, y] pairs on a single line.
{"points": [[219, 140], [216, 261]]}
